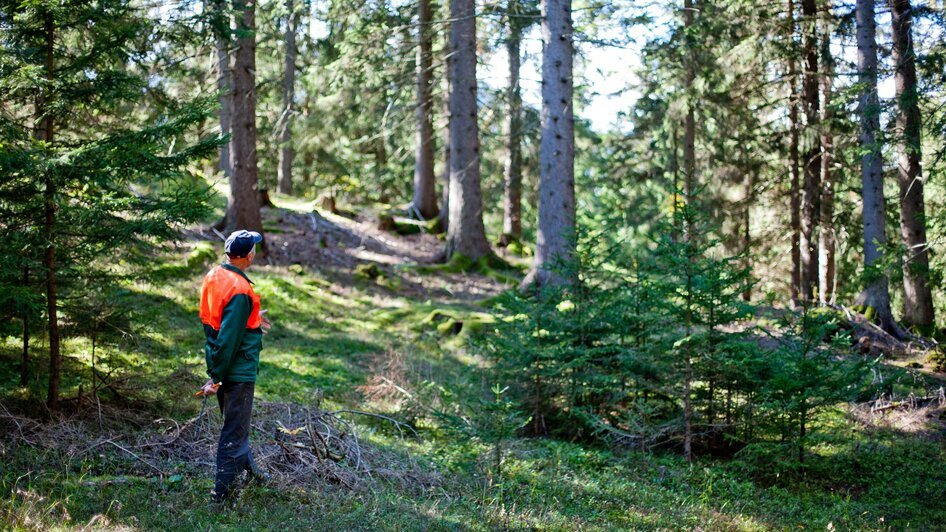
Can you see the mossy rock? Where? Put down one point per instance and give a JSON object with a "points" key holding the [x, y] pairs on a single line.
{"points": [[867, 311], [514, 246], [450, 327], [435, 226], [937, 358], [368, 271], [437, 316], [391, 283]]}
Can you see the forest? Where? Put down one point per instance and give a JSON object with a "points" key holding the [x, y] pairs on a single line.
{"points": [[529, 264]]}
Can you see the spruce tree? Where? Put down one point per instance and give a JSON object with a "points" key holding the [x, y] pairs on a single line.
{"points": [[99, 190]]}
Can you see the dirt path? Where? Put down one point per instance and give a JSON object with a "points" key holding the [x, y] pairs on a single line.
{"points": [[335, 245]]}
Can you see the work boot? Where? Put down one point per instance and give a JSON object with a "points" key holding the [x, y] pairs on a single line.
{"points": [[256, 473], [219, 502]]}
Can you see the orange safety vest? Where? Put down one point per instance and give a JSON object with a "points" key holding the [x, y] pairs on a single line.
{"points": [[220, 285]]}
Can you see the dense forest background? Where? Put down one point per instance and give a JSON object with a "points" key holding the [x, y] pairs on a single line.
{"points": [[519, 242]]}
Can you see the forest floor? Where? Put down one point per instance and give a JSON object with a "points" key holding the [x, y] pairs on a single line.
{"points": [[366, 335]]}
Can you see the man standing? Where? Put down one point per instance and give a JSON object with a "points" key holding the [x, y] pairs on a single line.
{"points": [[234, 327]]}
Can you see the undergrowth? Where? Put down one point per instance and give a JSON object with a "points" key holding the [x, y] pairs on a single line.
{"points": [[332, 342]]}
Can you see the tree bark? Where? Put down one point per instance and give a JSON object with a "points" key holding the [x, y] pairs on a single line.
{"points": [[445, 131], [689, 122], [243, 211], [45, 132], [749, 199], [876, 292], [445, 191], [25, 359], [285, 122], [555, 238], [917, 296], [811, 192], [466, 235], [425, 195], [512, 189], [795, 192], [220, 25], [308, 157], [826, 237]]}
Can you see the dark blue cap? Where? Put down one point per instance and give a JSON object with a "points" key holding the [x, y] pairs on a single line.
{"points": [[241, 242]]}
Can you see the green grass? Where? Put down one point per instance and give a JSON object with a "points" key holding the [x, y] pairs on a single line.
{"points": [[328, 338]]}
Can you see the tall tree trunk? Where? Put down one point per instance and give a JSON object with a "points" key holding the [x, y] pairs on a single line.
{"points": [[466, 234], [308, 157], [243, 211], [555, 238], [795, 192], [826, 239], [220, 25], [749, 199], [811, 192], [689, 122], [288, 87], [917, 297], [25, 359], [49, 229], [425, 194], [445, 190], [876, 293], [512, 189]]}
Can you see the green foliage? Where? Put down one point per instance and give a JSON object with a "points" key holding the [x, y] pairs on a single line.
{"points": [[624, 351], [89, 190]]}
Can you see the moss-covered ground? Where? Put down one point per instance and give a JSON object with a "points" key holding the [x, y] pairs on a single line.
{"points": [[334, 333]]}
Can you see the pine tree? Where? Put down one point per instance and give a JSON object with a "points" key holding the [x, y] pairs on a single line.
{"points": [[826, 235], [876, 294], [466, 235], [795, 184], [811, 191], [425, 196], [219, 21], [243, 209], [517, 17], [917, 296], [89, 204], [286, 151], [555, 237]]}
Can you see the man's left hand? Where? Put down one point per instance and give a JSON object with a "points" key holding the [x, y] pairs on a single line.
{"points": [[265, 324]]}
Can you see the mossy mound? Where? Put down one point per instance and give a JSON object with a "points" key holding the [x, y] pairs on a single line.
{"points": [[368, 271], [514, 246], [488, 265], [869, 312], [435, 226], [461, 328]]}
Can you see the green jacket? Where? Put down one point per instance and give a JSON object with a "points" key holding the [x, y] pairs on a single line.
{"points": [[232, 353]]}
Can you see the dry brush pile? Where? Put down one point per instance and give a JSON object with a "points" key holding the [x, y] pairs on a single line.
{"points": [[301, 446]]}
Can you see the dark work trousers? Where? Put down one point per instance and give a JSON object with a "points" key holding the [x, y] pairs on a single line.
{"points": [[233, 450]]}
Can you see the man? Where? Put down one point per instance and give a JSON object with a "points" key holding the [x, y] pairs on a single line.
{"points": [[234, 327]]}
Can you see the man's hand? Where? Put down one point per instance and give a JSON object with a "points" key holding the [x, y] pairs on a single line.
{"points": [[209, 388], [265, 324]]}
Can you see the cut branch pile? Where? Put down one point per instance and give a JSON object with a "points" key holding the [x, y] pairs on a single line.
{"points": [[300, 446]]}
